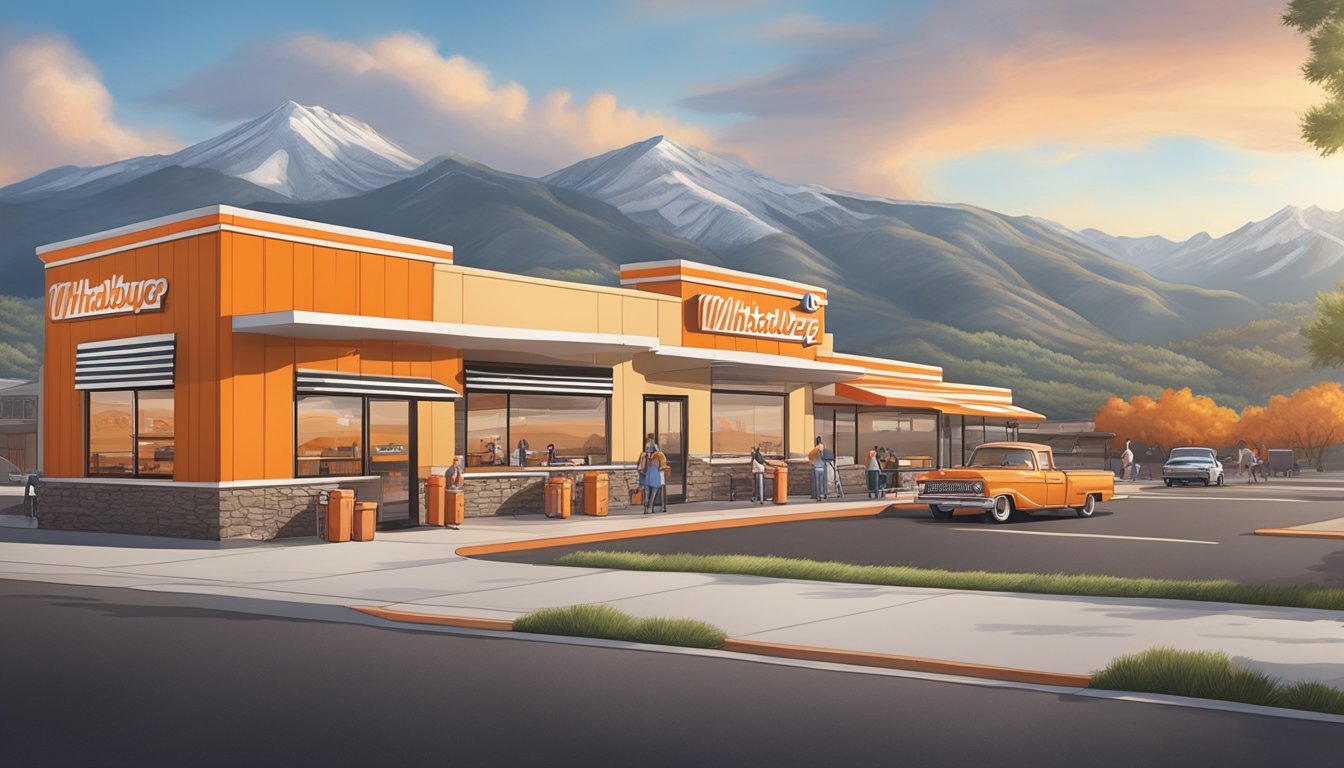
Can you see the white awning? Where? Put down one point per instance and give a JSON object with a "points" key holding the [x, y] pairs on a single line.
{"points": [[468, 338]]}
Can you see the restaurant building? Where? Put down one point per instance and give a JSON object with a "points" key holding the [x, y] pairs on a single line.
{"points": [[212, 373]]}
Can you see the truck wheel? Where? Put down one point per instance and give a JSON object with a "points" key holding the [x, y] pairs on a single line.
{"points": [[1003, 509], [1168, 482], [1089, 506], [941, 511], [1220, 481], [1206, 482]]}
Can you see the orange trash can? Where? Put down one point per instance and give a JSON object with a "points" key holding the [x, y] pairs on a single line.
{"points": [[781, 485], [558, 496], [595, 494], [455, 507], [434, 502], [340, 514], [366, 520]]}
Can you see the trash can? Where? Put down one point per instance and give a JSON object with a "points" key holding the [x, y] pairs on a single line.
{"points": [[340, 514], [557, 496], [455, 507], [434, 501], [595, 494], [781, 484], [366, 520]]}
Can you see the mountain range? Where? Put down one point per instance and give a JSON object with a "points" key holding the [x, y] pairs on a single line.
{"points": [[910, 278]]}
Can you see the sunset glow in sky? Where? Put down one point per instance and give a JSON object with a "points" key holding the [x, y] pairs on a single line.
{"points": [[1137, 118]]}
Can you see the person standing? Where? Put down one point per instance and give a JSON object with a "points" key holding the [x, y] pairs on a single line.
{"points": [[757, 475], [1246, 463], [817, 457], [1126, 461], [874, 467], [651, 465], [453, 478]]}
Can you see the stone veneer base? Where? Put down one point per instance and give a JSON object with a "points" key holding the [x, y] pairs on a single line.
{"points": [[265, 512]]}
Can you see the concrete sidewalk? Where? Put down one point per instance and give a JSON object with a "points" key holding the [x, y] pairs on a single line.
{"points": [[419, 571]]}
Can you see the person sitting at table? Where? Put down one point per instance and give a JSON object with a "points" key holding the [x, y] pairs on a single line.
{"points": [[551, 458]]}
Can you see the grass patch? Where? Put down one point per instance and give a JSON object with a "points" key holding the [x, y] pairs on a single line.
{"points": [[1212, 675], [608, 623], [1089, 585]]}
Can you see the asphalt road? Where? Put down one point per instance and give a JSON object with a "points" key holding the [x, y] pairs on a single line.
{"points": [[114, 677], [1195, 532]]}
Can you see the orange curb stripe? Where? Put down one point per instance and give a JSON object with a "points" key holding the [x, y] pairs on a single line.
{"points": [[434, 618], [783, 651], [907, 663], [1299, 533], [635, 533]]}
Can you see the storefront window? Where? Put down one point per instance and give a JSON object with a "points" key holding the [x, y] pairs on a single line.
{"points": [[486, 429], [838, 427], [112, 433], [998, 431], [952, 447], [975, 434], [131, 433], [575, 425], [741, 421], [912, 438], [330, 433]]}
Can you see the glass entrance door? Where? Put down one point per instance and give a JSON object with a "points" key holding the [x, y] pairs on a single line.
{"points": [[392, 458], [665, 419]]}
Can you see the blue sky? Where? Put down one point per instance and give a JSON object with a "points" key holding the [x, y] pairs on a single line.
{"points": [[1138, 118]]}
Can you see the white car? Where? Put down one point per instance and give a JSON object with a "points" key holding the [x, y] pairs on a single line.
{"points": [[1192, 465]]}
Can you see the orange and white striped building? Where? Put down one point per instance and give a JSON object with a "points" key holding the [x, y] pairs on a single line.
{"points": [[212, 373]]}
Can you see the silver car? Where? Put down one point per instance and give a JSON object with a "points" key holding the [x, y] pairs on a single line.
{"points": [[1192, 465]]}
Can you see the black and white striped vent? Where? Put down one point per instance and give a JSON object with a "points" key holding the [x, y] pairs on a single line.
{"points": [[139, 362], [558, 381], [331, 383]]}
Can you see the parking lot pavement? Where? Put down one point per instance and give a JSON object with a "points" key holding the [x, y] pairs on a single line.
{"points": [[1184, 533]]}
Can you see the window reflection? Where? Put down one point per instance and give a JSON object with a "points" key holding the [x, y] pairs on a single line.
{"points": [[487, 429], [741, 421], [575, 425], [329, 435], [111, 433], [131, 433], [908, 440]]}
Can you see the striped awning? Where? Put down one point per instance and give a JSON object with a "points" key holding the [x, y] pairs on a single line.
{"points": [[557, 381], [137, 362], [332, 383]]}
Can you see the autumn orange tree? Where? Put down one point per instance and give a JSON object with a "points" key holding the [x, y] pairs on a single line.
{"points": [[1176, 417], [1308, 421]]}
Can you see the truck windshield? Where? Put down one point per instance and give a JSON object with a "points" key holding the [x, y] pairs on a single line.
{"points": [[1191, 453], [1001, 457]]}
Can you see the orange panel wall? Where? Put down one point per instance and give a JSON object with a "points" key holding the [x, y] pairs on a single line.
{"points": [[234, 392]]}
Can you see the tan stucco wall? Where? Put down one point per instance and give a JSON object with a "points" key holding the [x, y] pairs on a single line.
{"points": [[481, 297]]}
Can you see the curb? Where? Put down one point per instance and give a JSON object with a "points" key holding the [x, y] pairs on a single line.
{"points": [[662, 530], [1299, 532], [908, 663], [795, 652]]}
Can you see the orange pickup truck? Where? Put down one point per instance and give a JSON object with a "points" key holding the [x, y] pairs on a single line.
{"points": [[1005, 479]]}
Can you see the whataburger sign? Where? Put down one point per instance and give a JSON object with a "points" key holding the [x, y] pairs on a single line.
{"points": [[739, 317], [114, 296]]}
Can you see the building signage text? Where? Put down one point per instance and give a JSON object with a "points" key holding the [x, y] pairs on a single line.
{"points": [[739, 317], [114, 296]]}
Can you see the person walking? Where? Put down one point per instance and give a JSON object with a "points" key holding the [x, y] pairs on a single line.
{"points": [[650, 466], [1246, 463], [817, 457], [1126, 461], [874, 467], [757, 475]]}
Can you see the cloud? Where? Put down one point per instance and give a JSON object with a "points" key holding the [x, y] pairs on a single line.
{"points": [[426, 101], [58, 112], [972, 77], [801, 28]]}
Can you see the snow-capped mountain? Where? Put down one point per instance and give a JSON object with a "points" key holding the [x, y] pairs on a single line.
{"points": [[1285, 257], [302, 153], [698, 196]]}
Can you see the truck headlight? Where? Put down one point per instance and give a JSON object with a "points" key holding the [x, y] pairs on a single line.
{"points": [[978, 488], [921, 488]]}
